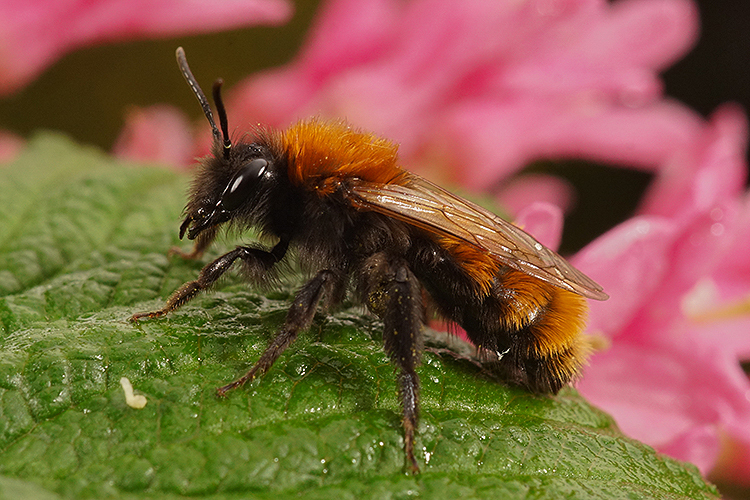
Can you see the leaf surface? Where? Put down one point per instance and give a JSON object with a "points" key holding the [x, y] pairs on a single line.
{"points": [[83, 242]]}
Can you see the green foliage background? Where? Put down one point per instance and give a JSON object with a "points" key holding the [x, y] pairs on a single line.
{"points": [[83, 241]]}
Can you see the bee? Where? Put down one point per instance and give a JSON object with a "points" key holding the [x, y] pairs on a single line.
{"points": [[360, 223]]}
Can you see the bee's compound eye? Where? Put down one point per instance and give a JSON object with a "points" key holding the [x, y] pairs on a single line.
{"points": [[242, 184]]}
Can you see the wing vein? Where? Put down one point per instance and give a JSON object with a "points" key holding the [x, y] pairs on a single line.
{"points": [[423, 204]]}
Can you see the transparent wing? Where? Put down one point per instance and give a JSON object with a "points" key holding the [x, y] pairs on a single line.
{"points": [[426, 205]]}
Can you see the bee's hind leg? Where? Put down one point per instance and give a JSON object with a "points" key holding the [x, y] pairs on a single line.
{"points": [[299, 317], [391, 291]]}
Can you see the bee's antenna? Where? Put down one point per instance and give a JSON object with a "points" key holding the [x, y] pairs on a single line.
{"points": [[222, 116], [219, 136]]}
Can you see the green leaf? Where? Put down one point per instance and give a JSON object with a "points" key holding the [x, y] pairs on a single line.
{"points": [[83, 243]]}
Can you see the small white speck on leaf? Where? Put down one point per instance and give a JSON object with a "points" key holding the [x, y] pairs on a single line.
{"points": [[136, 401]]}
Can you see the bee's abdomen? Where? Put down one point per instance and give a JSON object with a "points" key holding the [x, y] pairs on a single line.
{"points": [[529, 330], [538, 334]]}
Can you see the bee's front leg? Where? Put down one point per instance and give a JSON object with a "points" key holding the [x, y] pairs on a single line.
{"points": [[257, 261]]}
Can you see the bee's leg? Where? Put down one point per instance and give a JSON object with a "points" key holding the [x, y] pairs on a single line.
{"points": [[255, 260], [202, 242], [393, 292], [299, 317]]}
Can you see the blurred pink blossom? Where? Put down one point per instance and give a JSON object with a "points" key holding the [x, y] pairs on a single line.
{"points": [[161, 134], [517, 192], [10, 145], [543, 220], [475, 90], [689, 180], [35, 33], [678, 276]]}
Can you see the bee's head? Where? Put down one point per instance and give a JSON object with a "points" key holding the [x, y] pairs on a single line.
{"points": [[230, 181]]}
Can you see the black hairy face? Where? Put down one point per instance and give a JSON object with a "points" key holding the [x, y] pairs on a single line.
{"points": [[231, 188]]}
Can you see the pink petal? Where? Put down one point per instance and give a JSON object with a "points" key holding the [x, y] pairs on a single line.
{"points": [[709, 170], [630, 262], [727, 321], [500, 138], [10, 145], [348, 33], [611, 51], [740, 266], [675, 397], [518, 191], [272, 98], [543, 221], [698, 443], [623, 380], [650, 33], [699, 247], [33, 34], [159, 134], [720, 302]]}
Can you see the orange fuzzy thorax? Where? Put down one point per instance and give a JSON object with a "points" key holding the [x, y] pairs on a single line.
{"points": [[321, 152]]}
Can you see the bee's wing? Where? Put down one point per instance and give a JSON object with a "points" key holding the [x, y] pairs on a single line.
{"points": [[426, 205]]}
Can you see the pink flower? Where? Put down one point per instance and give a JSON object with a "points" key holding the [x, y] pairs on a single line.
{"points": [[672, 376], [34, 33], [544, 221], [517, 192], [686, 184], [159, 134], [477, 89]]}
